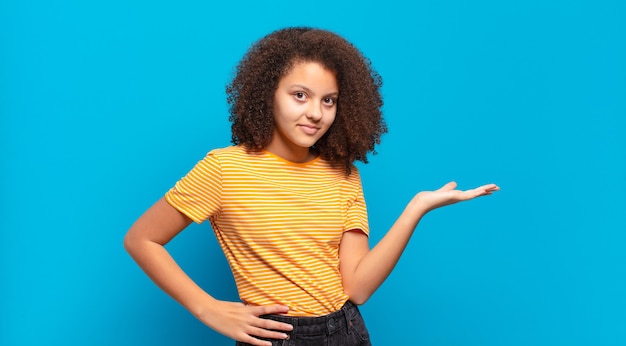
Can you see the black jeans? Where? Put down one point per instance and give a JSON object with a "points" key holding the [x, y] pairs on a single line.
{"points": [[341, 328]]}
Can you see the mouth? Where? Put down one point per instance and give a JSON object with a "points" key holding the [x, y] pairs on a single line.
{"points": [[309, 129]]}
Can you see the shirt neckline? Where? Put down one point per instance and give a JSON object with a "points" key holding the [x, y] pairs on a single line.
{"points": [[299, 164]]}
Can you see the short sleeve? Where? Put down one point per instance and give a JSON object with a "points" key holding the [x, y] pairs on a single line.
{"points": [[356, 214], [198, 194]]}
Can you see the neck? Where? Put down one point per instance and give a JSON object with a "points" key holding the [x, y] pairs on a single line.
{"points": [[287, 150], [296, 155]]}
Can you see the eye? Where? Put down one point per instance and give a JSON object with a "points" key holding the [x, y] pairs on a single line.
{"points": [[299, 95], [329, 101]]}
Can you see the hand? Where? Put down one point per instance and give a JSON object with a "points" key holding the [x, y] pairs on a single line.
{"points": [[242, 322], [447, 195]]}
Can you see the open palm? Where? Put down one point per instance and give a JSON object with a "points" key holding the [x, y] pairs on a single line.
{"points": [[448, 194]]}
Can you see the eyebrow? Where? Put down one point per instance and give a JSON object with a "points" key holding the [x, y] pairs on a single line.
{"points": [[334, 93]]}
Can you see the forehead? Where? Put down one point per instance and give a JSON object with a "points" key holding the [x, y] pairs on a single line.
{"points": [[310, 74]]}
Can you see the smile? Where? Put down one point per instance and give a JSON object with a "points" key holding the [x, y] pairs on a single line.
{"points": [[309, 129]]}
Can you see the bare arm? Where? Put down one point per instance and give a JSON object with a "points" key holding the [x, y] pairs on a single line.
{"points": [[145, 242], [364, 270]]}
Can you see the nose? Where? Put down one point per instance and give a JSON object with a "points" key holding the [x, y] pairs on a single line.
{"points": [[314, 111]]}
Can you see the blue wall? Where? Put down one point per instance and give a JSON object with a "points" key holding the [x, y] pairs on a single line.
{"points": [[104, 105]]}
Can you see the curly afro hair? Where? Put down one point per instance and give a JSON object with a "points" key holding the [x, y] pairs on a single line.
{"points": [[358, 123]]}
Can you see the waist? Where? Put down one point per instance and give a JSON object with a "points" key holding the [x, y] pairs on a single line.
{"points": [[320, 325], [310, 298]]}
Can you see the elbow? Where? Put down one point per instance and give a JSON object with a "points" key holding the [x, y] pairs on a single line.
{"points": [[133, 246], [358, 297], [129, 243], [359, 300]]}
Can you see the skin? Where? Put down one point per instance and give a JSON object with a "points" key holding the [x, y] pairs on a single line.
{"points": [[305, 104], [364, 270]]}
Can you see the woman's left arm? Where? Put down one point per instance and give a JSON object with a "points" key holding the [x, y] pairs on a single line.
{"points": [[364, 270]]}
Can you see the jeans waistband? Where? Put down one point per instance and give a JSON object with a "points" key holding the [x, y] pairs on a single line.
{"points": [[326, 324]]}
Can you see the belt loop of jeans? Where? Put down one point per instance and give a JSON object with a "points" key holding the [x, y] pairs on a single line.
{"points": [[348, 312], [345, 315]]}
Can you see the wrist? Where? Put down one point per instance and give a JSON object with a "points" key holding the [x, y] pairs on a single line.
{"points": [[418, 206], [203, 306]]}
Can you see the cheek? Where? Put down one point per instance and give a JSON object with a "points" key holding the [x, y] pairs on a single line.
{"points": [[287, 108], [330, 116]]}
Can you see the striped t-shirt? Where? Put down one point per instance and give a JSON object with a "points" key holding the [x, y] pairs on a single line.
{"points": [[279, 224]]}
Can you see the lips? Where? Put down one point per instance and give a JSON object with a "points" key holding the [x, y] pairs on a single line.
{"points": [[309, 129]]}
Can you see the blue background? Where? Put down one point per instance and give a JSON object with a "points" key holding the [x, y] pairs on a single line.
{"points": [[105, 104]]}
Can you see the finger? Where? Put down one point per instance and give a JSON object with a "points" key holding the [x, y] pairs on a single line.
{"points": [[273, 325], [248, 339], [486, 187], [483, 190], [491, 187], [449, 186], [267, 334], [269, 309]]}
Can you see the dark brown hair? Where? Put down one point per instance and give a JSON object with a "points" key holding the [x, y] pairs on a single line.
{"points": [[358, 123]]}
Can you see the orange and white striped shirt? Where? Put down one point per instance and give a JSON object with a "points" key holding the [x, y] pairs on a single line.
{"points": [[279, 224]]}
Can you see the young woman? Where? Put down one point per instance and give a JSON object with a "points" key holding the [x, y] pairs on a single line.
{"points": [[286, 202]]}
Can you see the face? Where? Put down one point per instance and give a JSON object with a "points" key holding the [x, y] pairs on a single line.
{"points": [[305, 104]]}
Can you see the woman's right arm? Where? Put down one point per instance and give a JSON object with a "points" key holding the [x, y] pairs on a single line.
{"points": [[145, 242]]}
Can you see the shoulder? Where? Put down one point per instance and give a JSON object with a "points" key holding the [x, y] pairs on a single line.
{"points": [[227, 151], [237, 158], [233, 152], [353, 180]]}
